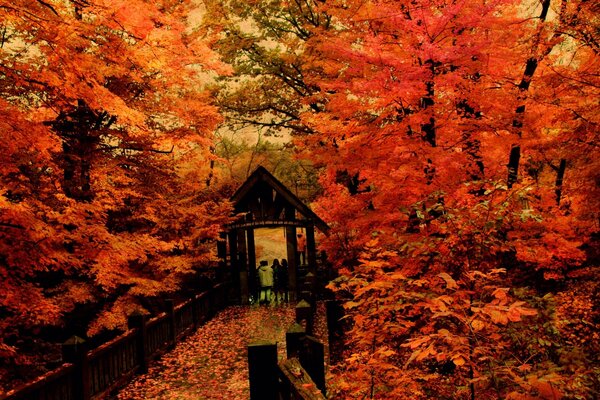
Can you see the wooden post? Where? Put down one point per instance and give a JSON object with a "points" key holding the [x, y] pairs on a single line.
{"points": [[310, 286], [210, 302], [251, 250], [306, 296], [222, 246], [335, 312], [219, 298], [309, 282], [311, 249], [201, 301], [304, 313], [262, 368], [170, 309], [234, 264], [290, 234], [252, 289], [312, 359], [137, 320], [243, 265], [293, 340], [74, 351]]}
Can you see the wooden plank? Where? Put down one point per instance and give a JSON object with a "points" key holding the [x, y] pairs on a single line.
{"points": [[267, 223], [300, 382]]}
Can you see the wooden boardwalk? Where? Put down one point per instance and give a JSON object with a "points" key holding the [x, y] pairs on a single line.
{"points": [[212, 363]]}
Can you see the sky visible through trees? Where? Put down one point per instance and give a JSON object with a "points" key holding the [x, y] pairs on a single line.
{"points": [[452, 146]]}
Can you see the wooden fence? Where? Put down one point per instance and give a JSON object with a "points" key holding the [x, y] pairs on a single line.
{"points": [[90, 375]]}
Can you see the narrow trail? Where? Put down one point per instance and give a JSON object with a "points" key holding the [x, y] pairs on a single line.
{"points": [[212, 362]]}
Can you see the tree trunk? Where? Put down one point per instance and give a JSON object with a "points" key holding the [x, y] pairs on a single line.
{"points": [[560, 174]]}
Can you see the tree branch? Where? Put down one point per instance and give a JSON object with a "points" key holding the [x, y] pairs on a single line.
{"points": [[135, 148], [9, 225], [48, 6]]}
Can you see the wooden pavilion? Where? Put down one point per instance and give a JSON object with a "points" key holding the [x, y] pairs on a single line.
{"points": [[263, 201]]}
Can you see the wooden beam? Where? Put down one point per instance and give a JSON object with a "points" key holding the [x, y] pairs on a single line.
{"points": [[266, 223], [262, 176]]}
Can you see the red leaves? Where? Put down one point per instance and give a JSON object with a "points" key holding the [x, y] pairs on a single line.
{"points": [[450, 283], [134, 18], [501, 314], [93, 209]]}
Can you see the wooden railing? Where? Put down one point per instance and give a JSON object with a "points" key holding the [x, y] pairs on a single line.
{"points": [[295, 383], [112, 364], [57, 384], [89, 375], [301, 376]]}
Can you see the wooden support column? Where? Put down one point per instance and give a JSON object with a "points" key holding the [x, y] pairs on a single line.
{"points": [[311, 249], [222, 246], [234, 265], [243, 265], [312, 359], [252, 289], [305, 316], [137, 320], [170, 309], [290, 235], [223, 272], [293, 340]]}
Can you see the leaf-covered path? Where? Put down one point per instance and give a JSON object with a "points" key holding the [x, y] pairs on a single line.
{"points": [[212, 363]]}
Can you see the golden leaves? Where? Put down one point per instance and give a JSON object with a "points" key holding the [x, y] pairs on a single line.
{"points": [[477, 325], [450, 282]]}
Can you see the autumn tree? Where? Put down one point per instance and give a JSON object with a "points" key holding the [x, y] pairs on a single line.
{"points": [[457, 143], [106, 133], [264, 42], [435, 236], [239, 155]]}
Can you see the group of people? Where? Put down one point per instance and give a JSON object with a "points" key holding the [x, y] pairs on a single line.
{"points": [[273, 281]]}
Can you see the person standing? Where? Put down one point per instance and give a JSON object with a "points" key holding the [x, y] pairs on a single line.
{"points": [[282, 278], [301, 248], [265, 277], [276, 266]]}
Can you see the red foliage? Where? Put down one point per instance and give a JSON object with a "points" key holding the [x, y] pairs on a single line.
{"points": [[104, 195]]}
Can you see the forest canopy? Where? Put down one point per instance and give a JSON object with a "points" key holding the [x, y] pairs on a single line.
{"points": [[456, 144], [105, 198], [452, 146]]}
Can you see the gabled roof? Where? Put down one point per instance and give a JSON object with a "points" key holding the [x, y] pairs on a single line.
{"points": [[260, 176]]}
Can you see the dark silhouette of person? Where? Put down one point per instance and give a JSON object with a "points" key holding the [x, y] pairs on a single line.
{"points": [[281, 277], [301, 248]]}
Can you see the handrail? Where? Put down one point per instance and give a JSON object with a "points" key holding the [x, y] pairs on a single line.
{"points": [[105, 347], [24, 391], [295, 377], [107, 367]]}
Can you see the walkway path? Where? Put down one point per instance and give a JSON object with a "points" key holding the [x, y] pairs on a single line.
{"points": [[212, 363]]}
